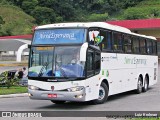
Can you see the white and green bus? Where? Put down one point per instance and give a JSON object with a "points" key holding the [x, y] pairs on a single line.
{"points": [[89, 62]]}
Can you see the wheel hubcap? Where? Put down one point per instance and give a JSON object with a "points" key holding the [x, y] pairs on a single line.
{"points": [[101, 93], [140, 85], [146, 84]]}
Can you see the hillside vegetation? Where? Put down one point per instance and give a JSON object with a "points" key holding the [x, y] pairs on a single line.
{"points": [[144, 10], [19, 16], [15, 21]]}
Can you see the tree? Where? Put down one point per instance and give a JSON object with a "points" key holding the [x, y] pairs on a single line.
{"points": [[49, 3], [135, 13], [130, 3], [16, 2], [1, 21], [67, 12], [28, 6], [44, 15], [98, 17]]}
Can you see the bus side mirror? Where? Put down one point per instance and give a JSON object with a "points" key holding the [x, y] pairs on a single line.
{"points": [[83, 52]]}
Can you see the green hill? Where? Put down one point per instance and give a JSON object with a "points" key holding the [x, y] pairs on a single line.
{"points": [[16, 21], [21, 15], [144, 10]]}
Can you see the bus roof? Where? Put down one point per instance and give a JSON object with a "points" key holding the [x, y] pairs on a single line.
{"points": [[92, 24], [86, 24], [144, 36]]}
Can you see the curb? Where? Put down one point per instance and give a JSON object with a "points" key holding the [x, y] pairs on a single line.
{"points": [[13, 65], [14, 95]]}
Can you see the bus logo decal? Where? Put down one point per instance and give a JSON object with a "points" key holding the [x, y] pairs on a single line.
{"points": [[135, 61], [52, 88]]}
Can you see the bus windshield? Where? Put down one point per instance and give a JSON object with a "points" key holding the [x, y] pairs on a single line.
{"points": [[58, 62], [59, 36]]}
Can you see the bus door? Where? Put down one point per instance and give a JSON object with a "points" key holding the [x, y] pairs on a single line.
{"points": [[93, 61]]}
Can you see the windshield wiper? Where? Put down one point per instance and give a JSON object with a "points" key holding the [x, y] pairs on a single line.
{"points": [[41, 71]]}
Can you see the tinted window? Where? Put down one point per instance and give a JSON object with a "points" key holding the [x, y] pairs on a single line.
{"points": [[90, 62], [106, 44], [149, 47], [142, 46], [127, 44], [93, 62], [154, 47], [135, 42], [117, 42], [97, 62]]}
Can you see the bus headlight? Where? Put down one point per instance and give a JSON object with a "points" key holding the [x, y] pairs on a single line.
{"points": [[73, 89], [32, 87]]}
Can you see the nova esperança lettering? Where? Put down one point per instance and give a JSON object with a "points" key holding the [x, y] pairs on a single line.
{"points": [[135, 61], [55, 36]]}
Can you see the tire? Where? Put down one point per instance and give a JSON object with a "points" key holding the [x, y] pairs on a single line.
{"points": [[103, 94], [57, 102], [139, 85], [146, 84]]}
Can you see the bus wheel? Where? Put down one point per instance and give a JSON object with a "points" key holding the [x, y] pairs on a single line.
{"points": [[146, 84], [57, 102], [139, 85], [103, 94]]}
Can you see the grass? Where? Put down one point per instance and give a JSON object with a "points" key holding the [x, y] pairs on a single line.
{"points": [[12, 90]]}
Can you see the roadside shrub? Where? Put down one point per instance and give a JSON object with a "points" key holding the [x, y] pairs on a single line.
{"points": [[7, 81]]}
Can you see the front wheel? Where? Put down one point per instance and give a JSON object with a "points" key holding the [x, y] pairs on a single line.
{"points": [[57, 102], [103, 94]]}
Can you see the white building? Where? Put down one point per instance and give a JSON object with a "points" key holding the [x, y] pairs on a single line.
{"points": [[14, 47]]}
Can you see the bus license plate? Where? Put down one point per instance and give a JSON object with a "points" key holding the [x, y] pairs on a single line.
{"points": [[52, 95]]}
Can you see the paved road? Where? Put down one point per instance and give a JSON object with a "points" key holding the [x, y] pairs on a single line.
{"points": [[129, 101], [123, 102]]}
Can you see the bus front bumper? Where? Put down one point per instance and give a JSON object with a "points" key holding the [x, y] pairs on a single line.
{"points": [[57, 95]]}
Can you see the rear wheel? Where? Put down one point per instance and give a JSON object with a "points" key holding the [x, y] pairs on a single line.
{"points": [[146, 84], [103, 94], [139, 85], [57, 102]]}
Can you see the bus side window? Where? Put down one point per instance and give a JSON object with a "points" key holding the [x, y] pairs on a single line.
{"points": [[135, 45], [127, 44], [97, 62], [90, 62], [142, 46], [149, 47], [117, 42], [106, 44], [154, 47], [93, 62]]}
